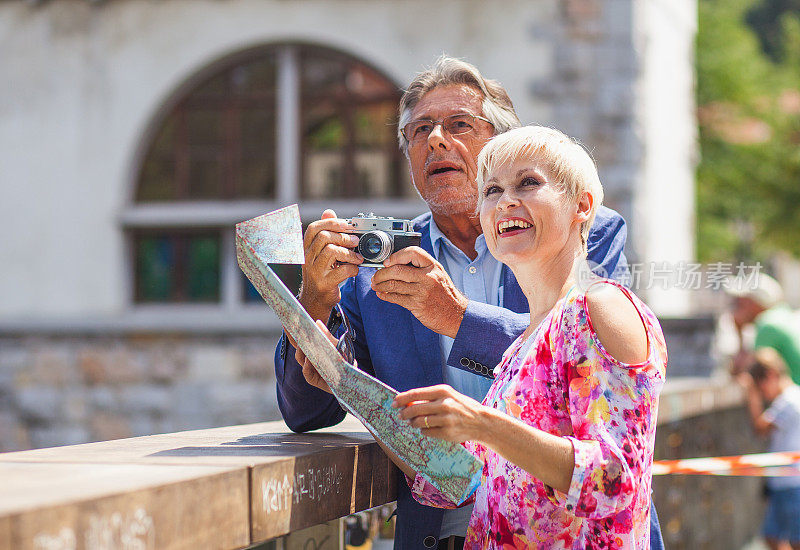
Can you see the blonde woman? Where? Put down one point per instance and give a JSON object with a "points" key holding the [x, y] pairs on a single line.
{"points": [[567, 429]]}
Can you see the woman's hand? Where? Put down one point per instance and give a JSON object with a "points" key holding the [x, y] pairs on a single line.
{"points": [[458, 418], [442, 412], [310, 371]]}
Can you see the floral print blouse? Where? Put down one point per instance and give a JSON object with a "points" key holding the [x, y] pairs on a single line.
{"points": [[563, 382]]}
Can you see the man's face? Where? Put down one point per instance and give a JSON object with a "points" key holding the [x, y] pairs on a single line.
{"points": [[443, 167]]}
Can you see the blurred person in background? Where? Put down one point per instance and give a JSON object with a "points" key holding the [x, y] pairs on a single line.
{"points": [[773, 401], [443, 312], [777, 326]]}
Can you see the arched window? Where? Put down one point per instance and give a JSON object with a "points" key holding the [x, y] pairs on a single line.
{"points": [[259, 130]]}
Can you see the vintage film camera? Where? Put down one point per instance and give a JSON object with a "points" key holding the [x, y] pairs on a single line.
{"points": [[379, 237]]}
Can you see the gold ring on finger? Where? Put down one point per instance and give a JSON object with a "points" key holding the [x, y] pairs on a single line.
{"points": [[426, 422]]}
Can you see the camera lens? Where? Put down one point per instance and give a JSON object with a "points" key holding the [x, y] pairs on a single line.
{"points": [[375, 246]]}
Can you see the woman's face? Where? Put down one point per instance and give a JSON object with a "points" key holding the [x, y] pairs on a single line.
{"points": [[525, 216]]}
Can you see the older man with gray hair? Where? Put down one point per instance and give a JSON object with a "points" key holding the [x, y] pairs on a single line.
{"points": [[443, 312]]}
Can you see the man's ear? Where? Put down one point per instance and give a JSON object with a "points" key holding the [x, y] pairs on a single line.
{"points": [[584, 206]]}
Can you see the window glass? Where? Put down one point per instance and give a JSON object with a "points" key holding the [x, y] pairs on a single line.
{"points": [[375, 127], [157, 180], [214, 87], [219, 141], [159, 175], [203, 269], [257, 153], [348, 129], [325, 137], [205, 175], [323, 73], [255, 78], [155, 257], [176, 266]]}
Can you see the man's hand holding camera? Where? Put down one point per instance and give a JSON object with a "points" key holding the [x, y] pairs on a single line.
{"points": [[330, 260], [413, 279], [410, 278]]}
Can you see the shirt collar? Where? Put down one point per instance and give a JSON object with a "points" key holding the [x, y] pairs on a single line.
{"points": [[439, 240]]}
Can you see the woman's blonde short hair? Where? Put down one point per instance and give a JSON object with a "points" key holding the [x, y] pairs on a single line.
{"points": [[564, 158]]}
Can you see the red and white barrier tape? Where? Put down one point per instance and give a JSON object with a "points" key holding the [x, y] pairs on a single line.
{"points": [[760, 465]]}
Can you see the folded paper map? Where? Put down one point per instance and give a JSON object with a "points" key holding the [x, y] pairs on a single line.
{"points": [[277, 238]]}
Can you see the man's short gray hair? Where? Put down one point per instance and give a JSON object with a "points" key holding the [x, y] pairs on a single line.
{"points": [[497, 106]]}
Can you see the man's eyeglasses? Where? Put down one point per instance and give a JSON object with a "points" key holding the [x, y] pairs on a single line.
{"points": [[455, 125], [345, 344]]}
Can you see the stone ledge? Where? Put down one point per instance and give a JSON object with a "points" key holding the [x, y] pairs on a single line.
{"points": [[255, 482]]}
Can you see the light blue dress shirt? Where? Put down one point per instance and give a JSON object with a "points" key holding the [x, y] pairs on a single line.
{"points": [[478, 280]]}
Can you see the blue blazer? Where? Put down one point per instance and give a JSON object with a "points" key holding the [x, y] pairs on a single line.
{"points": [[392, 345]]}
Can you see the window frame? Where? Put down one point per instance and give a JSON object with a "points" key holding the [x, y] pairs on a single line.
{"points": [[222, 215]]}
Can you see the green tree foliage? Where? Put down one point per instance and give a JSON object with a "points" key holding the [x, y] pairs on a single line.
{"points": [[765, 19], [748, 95]]}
